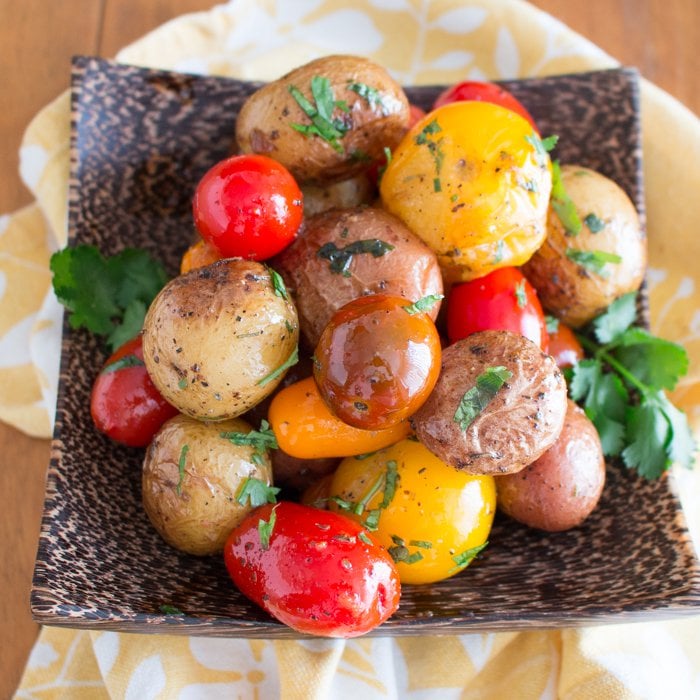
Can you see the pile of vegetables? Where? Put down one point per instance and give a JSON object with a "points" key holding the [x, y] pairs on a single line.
{"points": [[354, 368]]}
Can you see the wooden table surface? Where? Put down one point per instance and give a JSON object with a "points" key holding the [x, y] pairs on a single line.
{"points": [[38, 37]]}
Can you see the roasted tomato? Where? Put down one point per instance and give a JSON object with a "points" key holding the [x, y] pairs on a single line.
{"points": [[432, 518], [125, 404], [503, 300], [248, 206], [472, 180], [563, 344], [317, 572], [377, 361], [483, 92]]}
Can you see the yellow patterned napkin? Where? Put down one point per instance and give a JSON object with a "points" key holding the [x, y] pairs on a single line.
{"points": [[420, 41]]}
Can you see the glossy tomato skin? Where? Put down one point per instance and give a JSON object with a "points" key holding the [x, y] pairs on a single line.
{"points": [[248, 206], [564, 346], [502, 300], [319, 572], [125, 404], [483, 92], [375, 364]]}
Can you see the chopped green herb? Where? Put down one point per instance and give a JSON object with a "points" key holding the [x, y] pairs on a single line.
{"points": [[181, 467], [595, 225], [265, 528], [465, 558], [542, 146], [340, 258], [391, 477], [437, 186], [387, 154], [434, 147], [360, 156], [363, 536], [398, 540], [360, 506], [342, 503], [107, 296], [257, 492], [261, 440], [289, 362], [288, 326], [423, 304], [170, 610], [500, 249], [521, 294], [371, 95], [593, 260], [278, 284], [563, 205], [123, 363], [365, 455], [372, 519], [552, 323], [182, 384], [423, 544], [400, 553], [480, 396], [323, 124]]}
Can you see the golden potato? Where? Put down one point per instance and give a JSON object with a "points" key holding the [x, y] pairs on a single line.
{"points": [[217, 340], [472, 180], [191, 479], [579, 274], [325, 120]]}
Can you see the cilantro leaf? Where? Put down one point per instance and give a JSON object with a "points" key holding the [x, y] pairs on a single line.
{"points": [[563, 205], [593, 260], [256, 492], [107, 296], [261, 440], [619, 316], [476, 399], [265, 528], [339, 259], [595, 224]]}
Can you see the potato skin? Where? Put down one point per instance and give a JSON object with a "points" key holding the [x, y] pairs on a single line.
{"points": [[522, 421], [199, 518], [570, 291], [562, 487], [264, 124], [213, 335], [410, 270]]}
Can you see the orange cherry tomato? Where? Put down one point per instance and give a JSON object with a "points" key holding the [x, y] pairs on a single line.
{"points": [[199, 254], [305, 427], [564, 346], [377, 361]]}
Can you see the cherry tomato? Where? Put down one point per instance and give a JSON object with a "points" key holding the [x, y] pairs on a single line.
{"points": [[125, 405], [199, 254], [305, 427], [474, 90], [503, 300], [248, 206], [430, 516], [376, 363], [317, 572], [564, 346]]}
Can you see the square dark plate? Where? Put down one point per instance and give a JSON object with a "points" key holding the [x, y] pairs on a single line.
{"points": [[140, 141]]}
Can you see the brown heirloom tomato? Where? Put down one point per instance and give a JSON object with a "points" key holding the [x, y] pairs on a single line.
{"points": [[377, 361]]}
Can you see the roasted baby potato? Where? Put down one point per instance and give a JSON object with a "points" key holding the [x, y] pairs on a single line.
{"points": [[507, 430], [191, 479], [579, 273], [560, 489], [344, 254], [325, 120], [218, 339]]}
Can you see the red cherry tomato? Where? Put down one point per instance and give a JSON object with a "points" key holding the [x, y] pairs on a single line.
{"points": [[316, 571], [125, 405], [248, 206], [503, 300], [483, 92], [564, 346], [375, 364]]}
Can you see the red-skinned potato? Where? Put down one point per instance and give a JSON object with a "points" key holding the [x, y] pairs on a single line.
{"points": [[317, 572], [561, 488]]}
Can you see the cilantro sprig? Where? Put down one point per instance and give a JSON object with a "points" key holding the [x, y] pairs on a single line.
{"points": [[108, 296], [260, 440], [256, 492], [476, 399], [339, 259], [622, 385]]}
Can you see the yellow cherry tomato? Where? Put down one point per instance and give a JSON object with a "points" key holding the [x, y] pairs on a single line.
{"points": [[305, 427], [432, 517], [199, 254], [472, 179]]}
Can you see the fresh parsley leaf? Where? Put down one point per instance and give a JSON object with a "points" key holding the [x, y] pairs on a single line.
{"points": [[618, 317], [593, 260], [563, 205], [340, 258], [107, 296], [423, 304], [595, 225], [476, 399], [289, 362], [265, 528], [256, 492], [122, 363], [181, 467]]}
